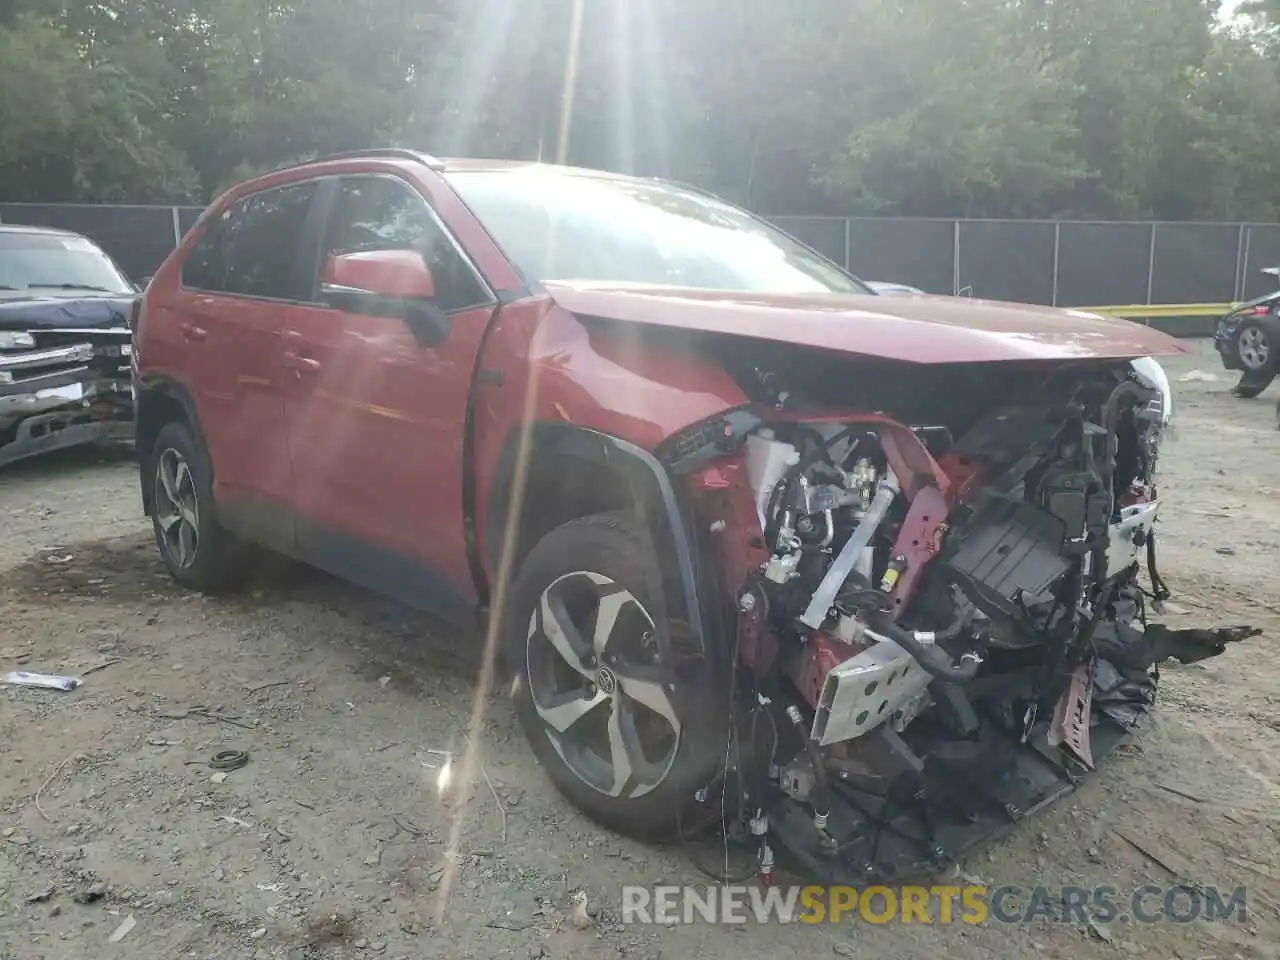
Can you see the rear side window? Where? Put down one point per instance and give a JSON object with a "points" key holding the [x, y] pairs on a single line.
{"points": [[382, 213], [264, 257], [206, 266]]}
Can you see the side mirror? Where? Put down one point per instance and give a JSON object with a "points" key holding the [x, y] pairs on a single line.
{"points": [[386, 283]]}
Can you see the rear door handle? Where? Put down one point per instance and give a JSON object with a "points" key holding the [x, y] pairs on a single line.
{"points": [[299, 364], [192, 333]]}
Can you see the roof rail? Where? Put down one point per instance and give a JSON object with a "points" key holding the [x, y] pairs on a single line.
{"points": [[400, 153]]}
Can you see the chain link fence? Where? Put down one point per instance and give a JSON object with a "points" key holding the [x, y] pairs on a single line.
{"points": [[1059, 263]]}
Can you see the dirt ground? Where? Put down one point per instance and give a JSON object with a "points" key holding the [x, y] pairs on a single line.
{"points": [[332, 841]]}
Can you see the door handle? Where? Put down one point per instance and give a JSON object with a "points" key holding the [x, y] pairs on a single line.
{"points": [[192, 333], [300, 365]]}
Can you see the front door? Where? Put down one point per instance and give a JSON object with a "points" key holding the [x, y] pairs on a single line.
{"points": [[376, 418]]}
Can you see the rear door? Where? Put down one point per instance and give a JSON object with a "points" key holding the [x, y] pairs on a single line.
{"points": [[376, 418], [254, 282]]}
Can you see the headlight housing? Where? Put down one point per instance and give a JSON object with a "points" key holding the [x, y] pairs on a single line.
{"points": [[16, 339]]}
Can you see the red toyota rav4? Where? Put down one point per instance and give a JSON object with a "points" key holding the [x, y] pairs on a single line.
{"points": [[858, 576]]}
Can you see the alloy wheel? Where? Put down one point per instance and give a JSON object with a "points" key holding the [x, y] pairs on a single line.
{"points": [[177, 507], [1254, 348], [597, 683]]}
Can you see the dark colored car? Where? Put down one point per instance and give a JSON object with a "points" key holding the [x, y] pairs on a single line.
{"points": [[64, 343], [861, 572], [1248, 340]]}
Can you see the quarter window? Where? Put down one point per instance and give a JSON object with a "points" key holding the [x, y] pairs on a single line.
{"points": [[382, 213]]}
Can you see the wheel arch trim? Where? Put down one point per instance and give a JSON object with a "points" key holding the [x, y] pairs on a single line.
{"points": [[664, 514]]}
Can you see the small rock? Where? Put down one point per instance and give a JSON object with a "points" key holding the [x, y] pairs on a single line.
{"points": [[1226, 551], [92, 894], [843, 950], [218, 777], [378, 946], [1099, 931], [8, 832], [258, 934], [374, 859], [361, 944]]}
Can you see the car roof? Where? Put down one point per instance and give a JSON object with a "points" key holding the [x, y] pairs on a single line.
{"points": [[453, 164], [32, 228]]}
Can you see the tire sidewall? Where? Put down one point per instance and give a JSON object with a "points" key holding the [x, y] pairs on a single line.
{"points": [[204, 572], [608, 546], [1268, 331]]}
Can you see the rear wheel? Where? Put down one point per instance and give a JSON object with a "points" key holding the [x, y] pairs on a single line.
{"points": [[198, 552], [617, 730]]}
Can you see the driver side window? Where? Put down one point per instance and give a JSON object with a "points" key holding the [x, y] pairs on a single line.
{"points": [[383, 213]]}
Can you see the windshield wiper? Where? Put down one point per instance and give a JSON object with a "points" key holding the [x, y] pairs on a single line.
{"points": [[70, 286]]}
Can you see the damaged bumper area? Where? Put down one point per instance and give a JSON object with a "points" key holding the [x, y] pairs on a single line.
{"points": [[63, 388], [943, 623]]}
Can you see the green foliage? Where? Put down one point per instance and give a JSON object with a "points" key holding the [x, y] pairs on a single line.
{"points": [[1093, 108]]}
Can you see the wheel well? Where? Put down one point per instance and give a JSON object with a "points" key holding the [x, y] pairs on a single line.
{"points": [[155, 409], [558, 490]]}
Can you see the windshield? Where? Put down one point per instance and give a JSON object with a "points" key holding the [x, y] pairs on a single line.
{"points": [[559, 224], [51, 262]]}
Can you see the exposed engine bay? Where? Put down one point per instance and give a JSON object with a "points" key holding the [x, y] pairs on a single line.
{"points": [[942, 624]]}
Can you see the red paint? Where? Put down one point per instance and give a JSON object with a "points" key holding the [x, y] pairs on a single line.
{"points": [[919, 541], [821, 654], [394, 273], [911, 329]]}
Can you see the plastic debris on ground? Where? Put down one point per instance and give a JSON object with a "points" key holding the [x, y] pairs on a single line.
{"points": [[21, 678]]}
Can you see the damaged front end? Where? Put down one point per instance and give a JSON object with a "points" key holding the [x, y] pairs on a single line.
{"points": [[62, 386], [943, 606]]}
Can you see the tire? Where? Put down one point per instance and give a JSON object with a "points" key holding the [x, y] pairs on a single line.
{"points": [[1247, 389], [625, 741], [197, 551], [1256, 351]]}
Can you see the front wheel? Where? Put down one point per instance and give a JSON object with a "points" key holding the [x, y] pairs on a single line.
{"points": [[623, 735], [1257, 358]]}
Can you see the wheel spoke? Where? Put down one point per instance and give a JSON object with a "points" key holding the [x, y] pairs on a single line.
{"points": [[623, 745], [168, 519], [652, 694], [169, 478], [610, 606], [564, 711], [186, 543], [559, 629], [190, 513]]}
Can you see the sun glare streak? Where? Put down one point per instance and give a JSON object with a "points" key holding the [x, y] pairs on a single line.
{"points": [[480, 696], [486, 42], [624, 114], [652, 61]]}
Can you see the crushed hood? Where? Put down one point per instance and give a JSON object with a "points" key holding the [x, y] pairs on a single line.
{"points": [[93, 312], [911, 329]]}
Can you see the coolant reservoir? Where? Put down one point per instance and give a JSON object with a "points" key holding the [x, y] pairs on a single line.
{"points": [[767, 461]]}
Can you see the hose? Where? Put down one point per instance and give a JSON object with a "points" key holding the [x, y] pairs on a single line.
{"points": [[820, 792], [933, 659]]}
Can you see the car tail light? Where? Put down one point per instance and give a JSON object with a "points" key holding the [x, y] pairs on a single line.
{"points": [[1261, 310]]}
